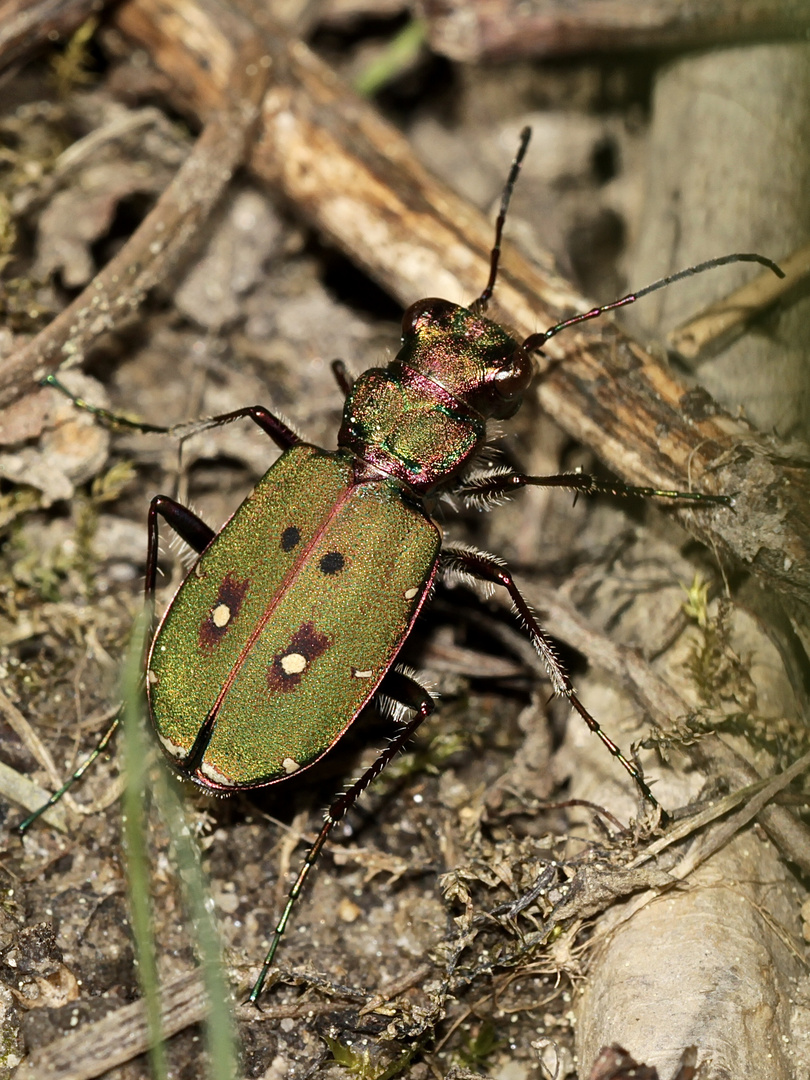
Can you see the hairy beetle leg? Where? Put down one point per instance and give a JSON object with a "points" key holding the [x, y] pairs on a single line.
{"points": [[190, 528], [197, 535], [342, 377], [489, 487], [281, 433], [485, 568]]}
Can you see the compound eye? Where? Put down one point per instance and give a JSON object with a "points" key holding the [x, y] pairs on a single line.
{"points": [[513, 381], [422, 313]]}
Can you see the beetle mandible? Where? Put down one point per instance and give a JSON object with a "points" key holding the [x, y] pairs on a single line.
{"points": [[292, 617]]}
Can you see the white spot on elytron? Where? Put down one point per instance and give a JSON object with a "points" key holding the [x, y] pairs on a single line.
{"points": [[410, 593], [214, 774], [221, 615], [293, 663], [172, 748], [290, 765], [151, 677], [362, 674]]}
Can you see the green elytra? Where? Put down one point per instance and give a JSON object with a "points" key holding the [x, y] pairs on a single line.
{"points": [[275, 643], [291, 619]]}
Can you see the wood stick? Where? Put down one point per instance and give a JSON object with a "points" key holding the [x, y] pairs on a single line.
{"points": [[123, 1034], [118, 1037], [507, 29]]}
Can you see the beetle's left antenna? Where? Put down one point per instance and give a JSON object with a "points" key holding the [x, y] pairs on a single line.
{"points": [[480, 304]]}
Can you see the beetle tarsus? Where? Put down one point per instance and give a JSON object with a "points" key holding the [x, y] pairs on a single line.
{"points": [[101, 746]]}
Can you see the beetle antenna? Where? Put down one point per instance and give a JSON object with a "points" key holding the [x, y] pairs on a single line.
{"points": [[537, 341], [480, 304]]}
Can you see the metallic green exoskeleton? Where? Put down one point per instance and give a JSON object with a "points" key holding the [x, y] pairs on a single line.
{"points": [[292, 617]]}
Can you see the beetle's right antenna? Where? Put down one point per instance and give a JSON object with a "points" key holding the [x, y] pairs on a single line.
{"points": [[480, 305], [537, 341]]}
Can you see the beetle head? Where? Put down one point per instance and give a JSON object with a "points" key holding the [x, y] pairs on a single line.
{"points": [[470, 356]]}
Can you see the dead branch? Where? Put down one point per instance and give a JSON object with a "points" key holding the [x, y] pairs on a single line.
{"points": [[158, 245], [507, 29]]}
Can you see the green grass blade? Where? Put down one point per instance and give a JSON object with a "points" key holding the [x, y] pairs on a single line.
{"points": [[220, 1033], [136, 756], [396, 58]]}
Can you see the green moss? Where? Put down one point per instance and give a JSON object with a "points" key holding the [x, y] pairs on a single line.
{"points": [[72, 66]]}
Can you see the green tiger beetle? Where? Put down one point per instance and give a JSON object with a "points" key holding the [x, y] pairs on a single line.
{"points": [[291, 619]]}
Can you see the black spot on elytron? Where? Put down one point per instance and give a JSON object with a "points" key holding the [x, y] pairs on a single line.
{"points": [[289, 538], [231, 594], [306, 642], [332, 563]]}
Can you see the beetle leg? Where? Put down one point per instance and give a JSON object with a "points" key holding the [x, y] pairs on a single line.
{"points": [[480, 490], [102, 745], [406, 691], [195, 533], [185, 523], [485, 568], [280, 432]]}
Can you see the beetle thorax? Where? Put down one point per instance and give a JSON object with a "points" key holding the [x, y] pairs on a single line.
{"points": [[423, 418], [403, 424]]}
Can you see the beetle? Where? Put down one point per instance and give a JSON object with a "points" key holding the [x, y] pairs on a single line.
{"points": [[291, 619]]}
